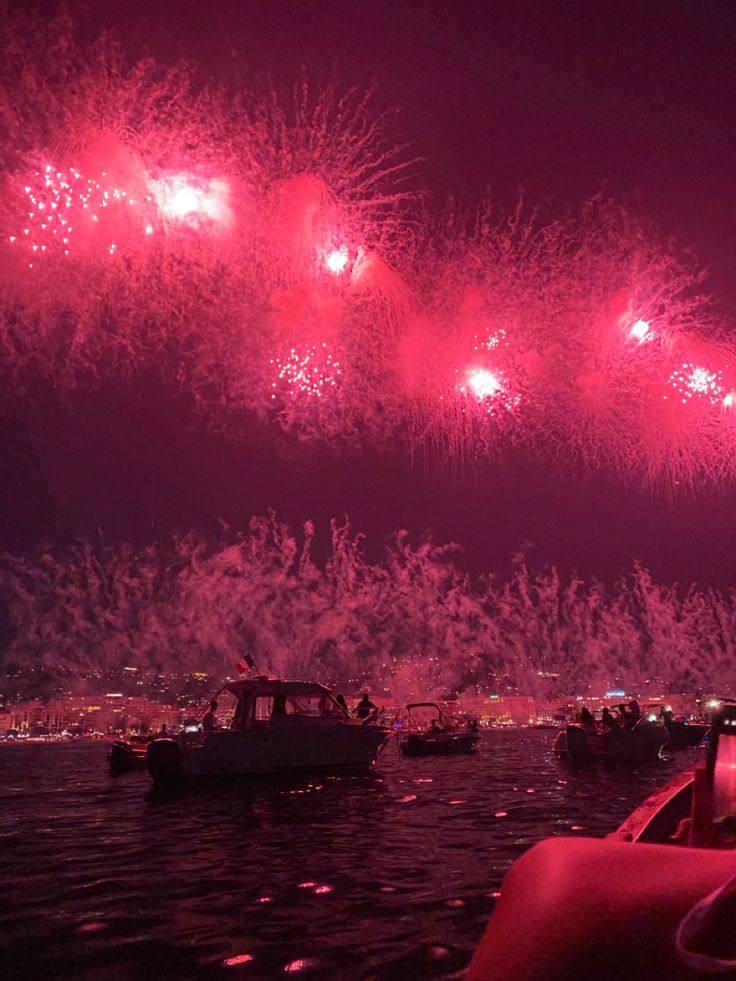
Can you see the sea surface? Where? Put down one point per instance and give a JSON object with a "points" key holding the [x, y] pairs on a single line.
{"points": [[390, 875]]}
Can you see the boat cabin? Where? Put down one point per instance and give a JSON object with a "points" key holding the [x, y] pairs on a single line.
{"points": [[257, 702]]}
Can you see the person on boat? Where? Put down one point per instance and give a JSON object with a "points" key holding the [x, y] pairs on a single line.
{"points": [[365, 708], [164, 731], [668, 718], [615, 733], [634, 709], [340, 699], [587, 721], [627, 719], [209, 722], [608, 721]]}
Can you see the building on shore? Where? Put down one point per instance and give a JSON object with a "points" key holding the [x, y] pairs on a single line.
{"points": [[110, 713]]}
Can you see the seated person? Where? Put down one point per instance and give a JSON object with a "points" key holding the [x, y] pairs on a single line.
{"points": [[587, 721], [626, 719], [607, 720], [366, 709], [209, 722]]}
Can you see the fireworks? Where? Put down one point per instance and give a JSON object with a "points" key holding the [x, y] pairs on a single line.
{"points": [[640, 330], [61, 207], [490, 389], [491, 341], [326, 247], [337, 260], [66, 209], [690, 381], [418, 604], [337, 157], [484, 384], [180, 198], [489, 384], [310, 370]]}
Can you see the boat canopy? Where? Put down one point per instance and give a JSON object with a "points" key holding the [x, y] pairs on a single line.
{"points": [[269, 686]]}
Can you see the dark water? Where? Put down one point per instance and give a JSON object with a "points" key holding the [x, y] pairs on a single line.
{"points": [[385, 876]]}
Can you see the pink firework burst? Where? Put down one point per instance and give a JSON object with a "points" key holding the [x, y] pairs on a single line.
{"points": [[640, 331], [63, 208], [309, 370], [488, 383], [491, 389], [691, 381], [183, 198], [336, 260]]}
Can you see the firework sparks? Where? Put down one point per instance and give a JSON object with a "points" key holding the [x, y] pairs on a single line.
{"points": [[180, 199], [490, 389], [484, 384], [65, 207], [63, 204], [337, 260], [690, 381], [491, 341], [489, 385], [310, 371], [327, 237], [640, 330]]}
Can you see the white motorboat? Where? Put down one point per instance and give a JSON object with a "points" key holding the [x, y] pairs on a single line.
{"points": [[270, 727]]}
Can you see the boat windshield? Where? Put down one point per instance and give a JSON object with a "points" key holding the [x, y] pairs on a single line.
{"points": [[318, 706], [227, 705], [427, 718]]}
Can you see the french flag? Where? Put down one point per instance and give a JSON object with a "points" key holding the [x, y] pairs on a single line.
{"points": [[242, 666]]}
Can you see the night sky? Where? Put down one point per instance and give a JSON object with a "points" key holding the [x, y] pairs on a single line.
{"points": [[563, 100]]}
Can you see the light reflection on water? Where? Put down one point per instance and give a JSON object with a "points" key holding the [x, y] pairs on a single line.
{"points": [[387, 875]]}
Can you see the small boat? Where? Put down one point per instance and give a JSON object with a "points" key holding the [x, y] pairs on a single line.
{"points": [[685, 734], [427, 731], [642, 744], [273, 726], [127, 755]]}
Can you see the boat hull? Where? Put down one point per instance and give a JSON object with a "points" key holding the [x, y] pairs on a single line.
{"points": [[640, 745], [440, 744], [686, 735], [295, 745]]}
